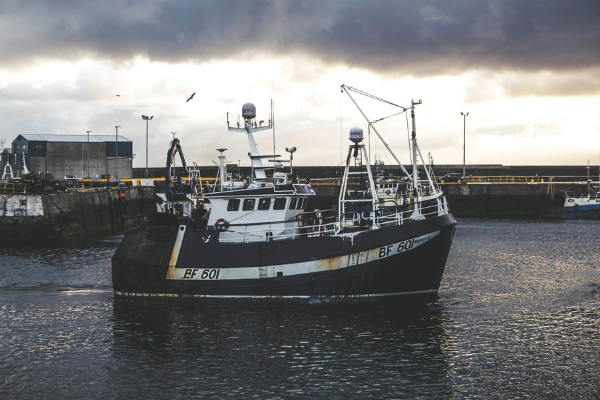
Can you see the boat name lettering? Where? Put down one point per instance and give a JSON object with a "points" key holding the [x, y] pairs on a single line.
{"points": [[405, 245], [385, 251], [192, 273]]}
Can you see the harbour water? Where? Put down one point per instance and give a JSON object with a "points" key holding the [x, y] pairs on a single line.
{"points": [[518, 317]]}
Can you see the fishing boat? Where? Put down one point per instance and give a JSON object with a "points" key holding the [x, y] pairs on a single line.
{"points": [[580, 205], [585, 206], [258, 242]]}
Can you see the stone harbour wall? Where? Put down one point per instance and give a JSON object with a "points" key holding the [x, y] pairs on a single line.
{"points": [[72, 216]]}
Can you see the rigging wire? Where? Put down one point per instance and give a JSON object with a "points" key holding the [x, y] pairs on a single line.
{"points": [[383, 152], [381, 119], [341, 122], [373, 97], [408, 139]]}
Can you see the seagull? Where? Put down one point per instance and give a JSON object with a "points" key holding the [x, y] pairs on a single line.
{"points": [[191, 97]]}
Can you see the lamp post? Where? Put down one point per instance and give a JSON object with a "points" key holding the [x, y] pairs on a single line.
{"points": [[116, 151], [464, 140], [147, 118], [88, 175]]}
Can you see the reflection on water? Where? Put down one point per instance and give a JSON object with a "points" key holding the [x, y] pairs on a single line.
{"points": [[518, 317], [282, 350]]}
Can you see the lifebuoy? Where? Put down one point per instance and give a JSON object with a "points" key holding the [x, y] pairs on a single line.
{"points": [[387, 192], [221, 224]]}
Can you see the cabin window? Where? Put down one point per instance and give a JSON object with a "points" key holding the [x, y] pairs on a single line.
{"points": [[233, 205], [300, 204], [264, 204], [249, 204], [279, 204], [293, 203]]}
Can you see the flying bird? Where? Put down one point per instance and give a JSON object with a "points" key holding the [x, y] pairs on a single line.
{"points": [[191, 97]]}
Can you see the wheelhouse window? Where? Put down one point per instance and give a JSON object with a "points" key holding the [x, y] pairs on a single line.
{"points": [[300, 204], [233, 205], [293, 203], [264, 204], [249, 204], [279, 203]]}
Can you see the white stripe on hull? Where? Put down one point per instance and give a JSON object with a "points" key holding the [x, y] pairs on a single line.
{"points": [[307, 267], [305, 297]]}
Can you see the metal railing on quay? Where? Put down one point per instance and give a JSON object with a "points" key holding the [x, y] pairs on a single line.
{"points": [[12, 188], [527, 180]]}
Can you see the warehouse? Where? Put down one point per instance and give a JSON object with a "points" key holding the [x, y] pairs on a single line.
{"points": [[94, 156]]}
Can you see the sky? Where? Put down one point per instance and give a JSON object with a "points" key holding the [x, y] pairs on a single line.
{"points": [[527, 72]]}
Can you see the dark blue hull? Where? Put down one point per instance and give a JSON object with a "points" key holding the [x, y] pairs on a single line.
{"points": [[372, 265], [579, 212]]}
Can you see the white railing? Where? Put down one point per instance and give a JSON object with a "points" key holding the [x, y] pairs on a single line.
{"points": [[313, 224]]}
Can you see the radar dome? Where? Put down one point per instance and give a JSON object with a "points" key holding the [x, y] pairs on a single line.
{"points": [[356, 134], [248, 111]]}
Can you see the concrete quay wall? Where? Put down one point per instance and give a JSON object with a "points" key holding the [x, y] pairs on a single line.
{"points": [[69, 217], [571, 172], [518, 201]]}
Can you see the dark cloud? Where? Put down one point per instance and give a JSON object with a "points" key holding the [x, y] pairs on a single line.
{"points": [[582, 83], [395, 36]]}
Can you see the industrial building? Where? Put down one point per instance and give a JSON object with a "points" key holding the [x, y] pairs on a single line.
{"points": [[5, 156], [93, 156]]}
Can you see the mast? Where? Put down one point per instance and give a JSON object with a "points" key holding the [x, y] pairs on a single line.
{"points": [[415, 151], [357, 150], [345, 88], [413, 140], [250, 127]]}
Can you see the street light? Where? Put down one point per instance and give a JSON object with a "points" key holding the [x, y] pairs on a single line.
{"points": [[147, 118], [116, 150], [464, 139], [88, 175]]}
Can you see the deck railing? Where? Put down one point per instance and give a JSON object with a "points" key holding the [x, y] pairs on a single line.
{"points": [[325, 223]]}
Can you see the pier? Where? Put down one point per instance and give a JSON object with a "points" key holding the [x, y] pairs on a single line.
{"points": [[34, 219], [487, 191]]}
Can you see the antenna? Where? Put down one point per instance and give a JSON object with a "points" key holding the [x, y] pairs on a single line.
{"points": [[271, 116]]}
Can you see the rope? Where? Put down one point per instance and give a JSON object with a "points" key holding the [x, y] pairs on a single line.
{"points": [[242, 216], [55, 205], [143, 222]]}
